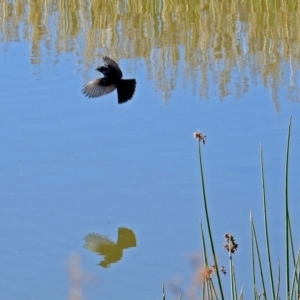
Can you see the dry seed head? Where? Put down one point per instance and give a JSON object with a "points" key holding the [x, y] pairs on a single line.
{"points": [[200, 136], [206, 273], [223, 270], [230, 246]]}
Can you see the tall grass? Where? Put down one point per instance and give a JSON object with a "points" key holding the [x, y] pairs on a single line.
{"points": [[291, 266]]}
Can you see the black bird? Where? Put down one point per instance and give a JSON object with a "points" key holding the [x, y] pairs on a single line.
{"points": [[112, 80]]}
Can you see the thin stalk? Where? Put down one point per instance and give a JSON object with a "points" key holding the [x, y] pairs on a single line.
{"points": [[210, 289], [287, 259], [209, 283], [203, 245], [234, 282], [204, 289], [256, 296], [206, 281], [295, 263], [214, 290], [295, 281], [266, 224], [164, 294], [278, 285], [259, 260], [253, 260], [241, 293], [232, 277], [291, 240], [298, 273], [208, 223]]}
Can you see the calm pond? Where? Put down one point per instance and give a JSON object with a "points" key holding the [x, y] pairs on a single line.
{"points": [[103, 201]]}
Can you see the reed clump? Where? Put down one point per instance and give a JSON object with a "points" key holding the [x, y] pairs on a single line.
{"points": [[209, 283]]}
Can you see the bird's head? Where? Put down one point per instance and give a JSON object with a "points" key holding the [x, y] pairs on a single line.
{"points": [[103, 70]]}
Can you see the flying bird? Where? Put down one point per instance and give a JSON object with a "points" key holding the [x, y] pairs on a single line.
{"points": [[112, 80]]}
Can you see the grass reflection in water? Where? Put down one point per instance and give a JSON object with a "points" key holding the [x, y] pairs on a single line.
{"points": [[213, 47]]}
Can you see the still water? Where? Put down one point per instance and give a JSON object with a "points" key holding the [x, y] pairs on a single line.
{"points": [[100, 200]]}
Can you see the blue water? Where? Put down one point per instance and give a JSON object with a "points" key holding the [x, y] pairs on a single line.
{"points": [[71, 166]]}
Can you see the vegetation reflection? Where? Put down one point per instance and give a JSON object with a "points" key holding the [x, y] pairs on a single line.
{"points": [[232, 44]]}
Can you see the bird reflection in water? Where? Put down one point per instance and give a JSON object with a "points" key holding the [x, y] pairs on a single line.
{"points": [[112, 252]]}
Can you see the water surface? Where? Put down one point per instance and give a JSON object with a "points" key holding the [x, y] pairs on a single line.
{"points": [[71, 166]]}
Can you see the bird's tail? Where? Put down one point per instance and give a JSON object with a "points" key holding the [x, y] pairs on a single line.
{"points": [[125, 88]]}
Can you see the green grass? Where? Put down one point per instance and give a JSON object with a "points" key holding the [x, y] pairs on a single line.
{"points": [[211, 286]]}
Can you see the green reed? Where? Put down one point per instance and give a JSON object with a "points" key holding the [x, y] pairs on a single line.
{"points": [[292, 288], [292, 260], [266, 224]]}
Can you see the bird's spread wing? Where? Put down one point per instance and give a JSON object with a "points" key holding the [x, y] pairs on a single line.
{"points": [[96, 88], [94, 242], [108, 62]]}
